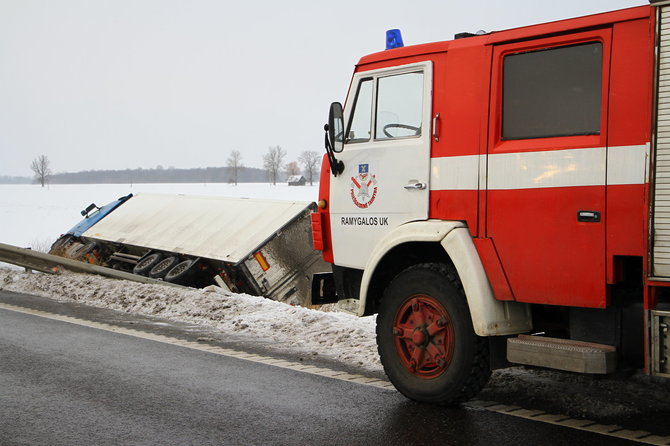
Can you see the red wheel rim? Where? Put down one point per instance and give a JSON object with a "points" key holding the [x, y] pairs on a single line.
{"points": [[423, 336]]}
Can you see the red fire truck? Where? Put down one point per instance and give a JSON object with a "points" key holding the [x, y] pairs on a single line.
{"points": [[504, 198]]}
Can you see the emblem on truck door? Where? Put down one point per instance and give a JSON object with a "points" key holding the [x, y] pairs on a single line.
{"points": [[363, 187]]}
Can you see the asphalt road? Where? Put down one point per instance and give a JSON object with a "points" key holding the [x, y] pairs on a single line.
{"points": [[66, 384]]}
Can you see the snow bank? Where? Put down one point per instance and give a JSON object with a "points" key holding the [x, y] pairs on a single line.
{"points": [[337, 336]]}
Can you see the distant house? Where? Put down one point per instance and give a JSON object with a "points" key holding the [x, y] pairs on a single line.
{"points": [[296, 180]]}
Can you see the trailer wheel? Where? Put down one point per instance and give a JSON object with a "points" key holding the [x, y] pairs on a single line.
{"points": [[180, 272], [146, 263], [425, 337], [161, 268]]}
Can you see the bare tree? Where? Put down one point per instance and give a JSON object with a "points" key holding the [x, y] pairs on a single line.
{"points": [[292, 168], [234, 161], [310, 160], [273, 161], [41, 169]]}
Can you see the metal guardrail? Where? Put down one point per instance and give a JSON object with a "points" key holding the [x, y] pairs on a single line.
{"points": [[51, 264]]}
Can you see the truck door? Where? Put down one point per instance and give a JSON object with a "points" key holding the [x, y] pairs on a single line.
{"points": [[547, 154], [386, 158]]}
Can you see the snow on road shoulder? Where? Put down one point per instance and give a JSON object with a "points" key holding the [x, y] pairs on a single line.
{"points": [[338, 336]]}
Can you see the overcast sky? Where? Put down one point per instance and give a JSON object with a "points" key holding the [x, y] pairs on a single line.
{"points": [[121, 84]]}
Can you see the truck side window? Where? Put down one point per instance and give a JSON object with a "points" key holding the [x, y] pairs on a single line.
{"points": [[361, 116], [399, 106], [552, 92]]}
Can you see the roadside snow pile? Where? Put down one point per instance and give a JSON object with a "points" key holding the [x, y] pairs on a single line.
{"points": [[333, 335]]}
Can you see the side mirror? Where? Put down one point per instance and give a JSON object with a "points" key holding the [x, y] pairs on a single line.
{"points": [[336, 127], [85, 213]]}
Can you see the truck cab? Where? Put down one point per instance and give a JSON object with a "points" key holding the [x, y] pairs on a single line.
{"points": [[498, 185]]}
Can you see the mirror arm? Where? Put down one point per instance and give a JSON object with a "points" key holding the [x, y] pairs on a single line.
{"points": [[336, 166]]}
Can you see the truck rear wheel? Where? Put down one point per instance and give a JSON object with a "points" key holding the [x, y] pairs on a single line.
{"points": [[425, 337], [146, 263], [162, 267], [181, 272]]}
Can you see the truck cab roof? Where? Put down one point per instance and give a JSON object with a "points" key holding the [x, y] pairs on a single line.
{"points": [[496, 37]]}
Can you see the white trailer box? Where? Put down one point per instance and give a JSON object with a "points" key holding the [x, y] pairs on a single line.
{"points": [[262, 247]]}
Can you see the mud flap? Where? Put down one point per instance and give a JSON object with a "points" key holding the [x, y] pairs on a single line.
{"points": [[323, 289]]}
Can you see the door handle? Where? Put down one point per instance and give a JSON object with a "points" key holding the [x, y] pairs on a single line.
{"points": [[588, 216], [416, 186]]}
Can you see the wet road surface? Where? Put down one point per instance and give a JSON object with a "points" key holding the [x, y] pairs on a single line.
{"points": [[66, 384]]}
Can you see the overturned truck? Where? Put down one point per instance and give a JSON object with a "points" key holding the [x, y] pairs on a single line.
{"points": [[259, 247]]}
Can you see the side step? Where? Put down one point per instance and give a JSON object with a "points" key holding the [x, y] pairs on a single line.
{"points": [[660, 343], [562, 354]]}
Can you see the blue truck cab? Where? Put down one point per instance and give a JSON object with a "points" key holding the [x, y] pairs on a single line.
{"points": [[93, 214]]}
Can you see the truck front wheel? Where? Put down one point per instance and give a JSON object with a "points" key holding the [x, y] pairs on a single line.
{"points": [[425, 338]]}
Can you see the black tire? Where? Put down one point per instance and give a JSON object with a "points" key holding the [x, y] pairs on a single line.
{"points": [[181, 272], [146, 263], [161, 268], [78, 251], [425, 337]]}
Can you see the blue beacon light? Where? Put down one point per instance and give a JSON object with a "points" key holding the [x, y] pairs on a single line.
{"points": [[393, 39]]}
